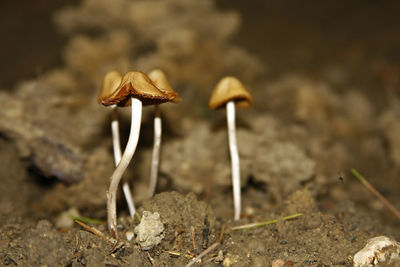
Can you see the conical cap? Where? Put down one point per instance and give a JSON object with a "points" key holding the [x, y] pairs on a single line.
{"points": [[227, 89], [159, 78], [136, 84], [111, 82]]}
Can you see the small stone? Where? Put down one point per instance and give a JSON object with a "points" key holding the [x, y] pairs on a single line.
{"points": [[129, 235], [149, 232], [379, 250]]}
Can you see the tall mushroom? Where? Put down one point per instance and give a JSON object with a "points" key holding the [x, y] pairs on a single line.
{"points": [[111, 81], [230, 92], [160, 80], [136, 89]]}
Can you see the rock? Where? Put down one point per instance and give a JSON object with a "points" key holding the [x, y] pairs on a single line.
{"points": [[129, 235], [150, 230], [379, 250]]}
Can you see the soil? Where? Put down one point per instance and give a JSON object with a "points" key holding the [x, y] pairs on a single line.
{"points": [[313, 120]]}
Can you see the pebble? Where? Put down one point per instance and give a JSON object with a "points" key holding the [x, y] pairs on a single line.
{"points": [[129, 235], [378, 250]]}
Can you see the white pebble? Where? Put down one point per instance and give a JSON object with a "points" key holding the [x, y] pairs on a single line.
{"points": [[129, 235], [379, 250]]}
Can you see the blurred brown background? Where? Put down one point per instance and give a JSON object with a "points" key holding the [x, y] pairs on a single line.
{"points": [[288, 36]]}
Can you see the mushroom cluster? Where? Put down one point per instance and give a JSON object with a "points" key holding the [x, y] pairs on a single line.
{"points": [[135, 89], [111, 81]]}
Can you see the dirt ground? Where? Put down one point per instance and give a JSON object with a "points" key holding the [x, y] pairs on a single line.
{"points": [[326, 99]]}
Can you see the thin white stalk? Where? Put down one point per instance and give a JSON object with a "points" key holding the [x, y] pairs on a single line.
{"points": [[230, 110], [129, 200], [122, 165], [155, 157], [115, 135], [117, 159]]}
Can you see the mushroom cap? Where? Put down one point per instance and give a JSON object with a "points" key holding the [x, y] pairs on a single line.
{"points": [[229, 88], [111, 81], [159, 78], [139, 85]]}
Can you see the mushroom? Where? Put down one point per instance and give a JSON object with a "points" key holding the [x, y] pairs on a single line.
{"points": [[136, 89], [160, 80], [230, 92], [111, 81]]}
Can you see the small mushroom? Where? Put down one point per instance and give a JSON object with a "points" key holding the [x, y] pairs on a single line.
{"points": [[136, 89], [111, 81], [160, 80], [230, 92]]}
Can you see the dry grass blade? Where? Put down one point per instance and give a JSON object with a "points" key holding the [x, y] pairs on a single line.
{"points": [[150, 259], [386, 202], [97, 232], [260, 224], [192, 231]]}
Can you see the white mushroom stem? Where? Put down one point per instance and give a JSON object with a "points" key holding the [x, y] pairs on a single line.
{"points": [[136, 109], [230, 110], [115, 135], [155, 157], [117, 159]]}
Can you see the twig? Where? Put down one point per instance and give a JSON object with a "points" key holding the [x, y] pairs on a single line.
{"points": [[206, 232], [150, 259], [177, 254], [386, 202], [260, 224], [173, 253], [205, 252], [221, 235], [193, 238], [97, 232]]}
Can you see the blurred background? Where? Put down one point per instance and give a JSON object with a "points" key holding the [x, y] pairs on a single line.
{"points": [[324, 76], [286, 36]]}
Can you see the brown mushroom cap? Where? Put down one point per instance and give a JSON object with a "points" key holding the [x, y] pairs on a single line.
{"points": [[138, 85], [110, 83], [161, 81], [227, 89]]}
